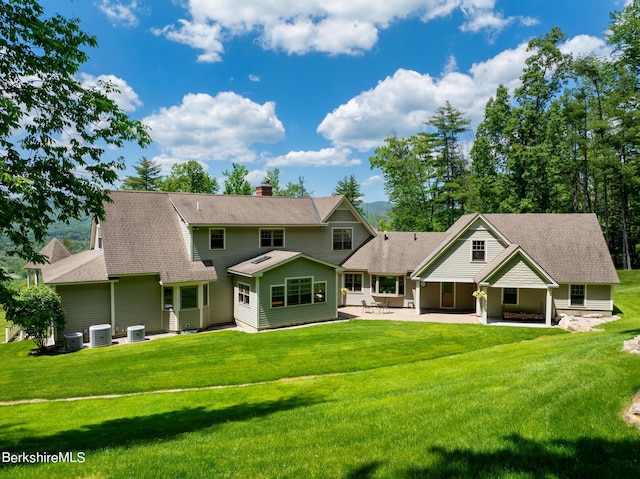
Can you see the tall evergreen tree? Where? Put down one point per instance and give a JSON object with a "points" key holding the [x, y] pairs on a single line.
{"points": [[450, 162], [298, 189], [349, 187], [148, 176]]}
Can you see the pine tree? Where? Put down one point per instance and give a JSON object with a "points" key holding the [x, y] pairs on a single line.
{"points": [[148, 176]]}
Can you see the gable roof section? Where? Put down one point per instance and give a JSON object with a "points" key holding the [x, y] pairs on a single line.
{"points": [[85, 267], [393, 252], [456, 230], [256, 267], [569, 247], [142, 235], [54, 251], [484, 276]]}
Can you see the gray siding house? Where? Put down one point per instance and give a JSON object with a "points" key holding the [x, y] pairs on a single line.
{"points": [[176, 262]]}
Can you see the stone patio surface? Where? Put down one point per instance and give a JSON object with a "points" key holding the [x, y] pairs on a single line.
{"points": [[406, 314]]}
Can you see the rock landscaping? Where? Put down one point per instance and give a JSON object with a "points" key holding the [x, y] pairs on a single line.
{"points": [[583, 324]]}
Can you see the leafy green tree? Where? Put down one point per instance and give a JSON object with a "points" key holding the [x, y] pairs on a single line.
{"points": [[298, 189], [236, 182], [189, 177], [273, 178], [349, 187], [408, 168], [148, 178], [37, 311], [52, 127]]}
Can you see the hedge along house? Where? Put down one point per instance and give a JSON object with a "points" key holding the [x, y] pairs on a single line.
{"points": [[165, 260], [521, 267]]}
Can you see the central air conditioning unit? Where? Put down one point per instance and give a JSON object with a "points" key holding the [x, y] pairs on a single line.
{"points": [[73, 341], [135, 333], [99, 335]]}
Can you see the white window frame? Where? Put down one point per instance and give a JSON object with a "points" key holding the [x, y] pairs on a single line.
{"points": [[313, 292], [272, 230], [361, 282], [244, 294], [584, 294], [286, 290], [224, 239], [399, 277], [333, 248], [484, 250], [517, 297], [284, 295]]}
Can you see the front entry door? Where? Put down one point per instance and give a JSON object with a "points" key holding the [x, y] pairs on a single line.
{"points": [[447, 295]]}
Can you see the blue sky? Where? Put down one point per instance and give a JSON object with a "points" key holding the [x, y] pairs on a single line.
{"points": [[311, 87]]}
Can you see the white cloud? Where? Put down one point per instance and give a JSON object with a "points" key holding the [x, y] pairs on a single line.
{"points": [[402, 103], [324, 157], [125, 97], [119, 13], [372, 180], [207, 128], [254, 78], [329, 26]]}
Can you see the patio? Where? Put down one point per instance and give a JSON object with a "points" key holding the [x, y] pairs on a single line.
{"points": [[406, 314]]}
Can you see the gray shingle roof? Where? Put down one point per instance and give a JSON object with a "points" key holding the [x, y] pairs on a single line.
{"points": [[570, 247], [393, 252], [87, 266], [54, 251], [252, 210], [142, 234]]}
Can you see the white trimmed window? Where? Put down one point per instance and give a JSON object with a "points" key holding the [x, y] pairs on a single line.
{"points": [[478, 250], [216, 238], [272, 238], [388, 285], [320, 292], [277, 296], [509, 295], [577, 294], [342, 239], [243, 293], [353, 282], [299, 291]]}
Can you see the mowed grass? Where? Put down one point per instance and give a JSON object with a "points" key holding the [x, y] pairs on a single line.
{"points": [[487, 402]]}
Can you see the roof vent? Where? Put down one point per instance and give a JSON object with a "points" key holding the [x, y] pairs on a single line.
{"points": [[99, 335], [262, 259], [198, 206]]}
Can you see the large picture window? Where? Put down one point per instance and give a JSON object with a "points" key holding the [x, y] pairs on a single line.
{"points": [[188, 297], [299, 291], [342, 239], [388, 285], [353, 282], [271, 238]]}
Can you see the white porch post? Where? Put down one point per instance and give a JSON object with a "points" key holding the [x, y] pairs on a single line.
{"points": [[549, 309], [416, 298], [483, 304]]}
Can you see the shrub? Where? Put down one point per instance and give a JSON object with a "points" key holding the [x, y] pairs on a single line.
{"points": [[37, 310]]}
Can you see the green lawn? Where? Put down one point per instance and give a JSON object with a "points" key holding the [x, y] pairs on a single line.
{"points": [[393, 400]]}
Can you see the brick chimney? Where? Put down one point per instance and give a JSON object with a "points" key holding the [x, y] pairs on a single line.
{"points": [[264, 190]]}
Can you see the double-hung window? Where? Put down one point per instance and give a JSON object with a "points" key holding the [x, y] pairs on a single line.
{"points": [[243, 293], [272, 238], [577, 294], [353, 282], [509, 296], [216, 238], [342, 239], [478, 250]]}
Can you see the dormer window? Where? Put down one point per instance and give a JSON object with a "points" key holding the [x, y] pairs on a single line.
{"points": [[478, 250]]}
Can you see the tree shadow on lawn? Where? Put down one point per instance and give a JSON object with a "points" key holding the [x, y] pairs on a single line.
{"points": [[567, 459], [140, 429]]}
